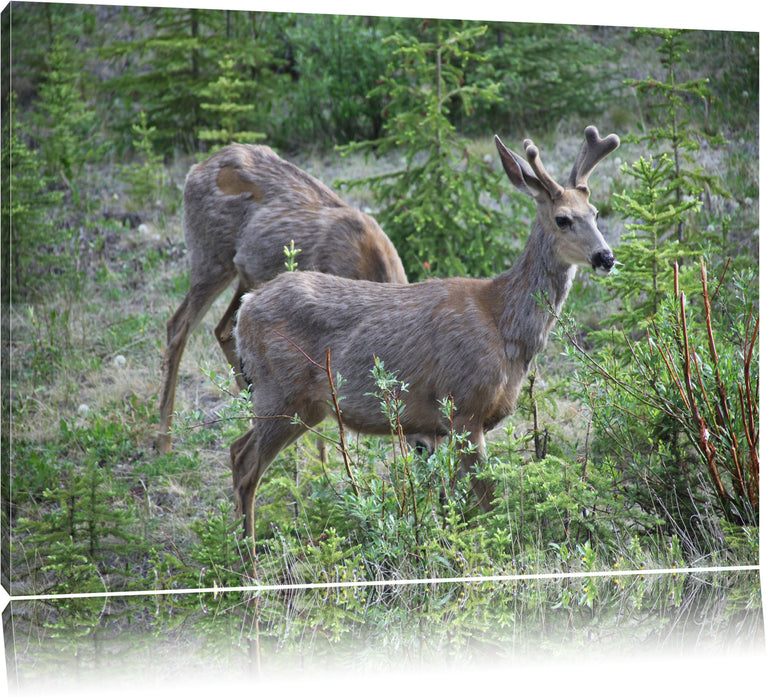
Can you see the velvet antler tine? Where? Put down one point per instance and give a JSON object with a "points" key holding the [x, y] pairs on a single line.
{"points": [[592, 152], [532, 153]]}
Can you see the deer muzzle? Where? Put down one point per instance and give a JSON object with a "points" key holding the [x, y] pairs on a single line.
{"points": [[602, 262]]}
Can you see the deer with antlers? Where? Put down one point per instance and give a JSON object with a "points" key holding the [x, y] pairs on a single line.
{"points": [[242, 206], [469, 339]]}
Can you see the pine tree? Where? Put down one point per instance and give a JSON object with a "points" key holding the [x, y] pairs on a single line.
{"points": [[667, 191], [646, 254], [64, 121], [226, 104], [146, 180], [75, 538], [29, 236], [669, 127], [175, 67], [432, 209]]}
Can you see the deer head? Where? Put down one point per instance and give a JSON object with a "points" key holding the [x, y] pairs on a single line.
{"points": [[564, 212]]}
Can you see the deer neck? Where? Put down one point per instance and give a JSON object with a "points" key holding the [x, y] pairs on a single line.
{"points": [[532, 291]]}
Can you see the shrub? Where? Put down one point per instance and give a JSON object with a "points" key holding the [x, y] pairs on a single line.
{"points": [[679, 413], [336, 62]]}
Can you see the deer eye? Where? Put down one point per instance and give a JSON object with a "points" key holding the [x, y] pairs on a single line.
{"points": [[563, 222]]}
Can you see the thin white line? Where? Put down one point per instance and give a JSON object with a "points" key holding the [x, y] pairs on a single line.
{"points": [[258, 588]]}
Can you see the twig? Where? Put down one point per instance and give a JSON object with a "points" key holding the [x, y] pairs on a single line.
{"points": [[340, 424], [335, 404], [706, 447]]}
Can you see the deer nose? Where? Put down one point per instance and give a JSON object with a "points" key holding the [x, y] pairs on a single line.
{"points": [[603, 261]]}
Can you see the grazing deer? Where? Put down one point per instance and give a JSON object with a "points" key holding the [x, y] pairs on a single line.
{"points": [[472, 339], [242, 206]]}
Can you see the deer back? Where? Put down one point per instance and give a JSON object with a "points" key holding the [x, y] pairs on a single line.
{"points": [[245, 204]]}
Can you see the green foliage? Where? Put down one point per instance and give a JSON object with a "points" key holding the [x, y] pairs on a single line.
{"points": [[101, 440], [539, 398], [337, 61], [735, 88], [175, 70], [396, 505], [673, 390], [645, 482], [166, 75], [667, 191], [541, 85], [70, 569], [147, 180], [455, 233], [669, 128], [555, 500], [229, 420], [222, 554], [168, 464], [65, 123], [225, 103], [679, 413], [742, 541], [50, 343], [290, 252], [30, 238], [647, 252], [85, 519]]}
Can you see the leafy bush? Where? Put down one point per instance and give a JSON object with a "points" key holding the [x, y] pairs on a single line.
{"points": [[391, 500], [337, 60], [556, 500], [679, 413]]}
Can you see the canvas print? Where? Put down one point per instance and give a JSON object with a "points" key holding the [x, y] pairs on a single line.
{"points": [[375, 344]]}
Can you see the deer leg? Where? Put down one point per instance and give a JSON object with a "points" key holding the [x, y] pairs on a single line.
{"points": [[178, 329], [186, 318], [484, 492], [480, 488], [245, 477], [224, 332], [253, 452]]}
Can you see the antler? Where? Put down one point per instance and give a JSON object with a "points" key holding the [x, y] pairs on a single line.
{"points": [[532, 153], [592, 152]]}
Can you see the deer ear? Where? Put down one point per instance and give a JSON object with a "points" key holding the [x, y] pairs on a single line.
{"points": [[518, 170]]}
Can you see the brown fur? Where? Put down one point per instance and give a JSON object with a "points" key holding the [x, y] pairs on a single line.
{"points": [[471, 339], [242, 206]]}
